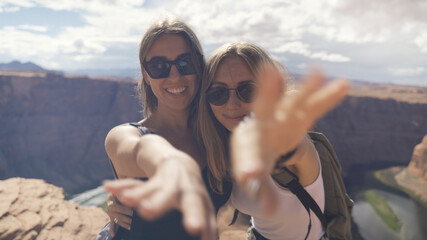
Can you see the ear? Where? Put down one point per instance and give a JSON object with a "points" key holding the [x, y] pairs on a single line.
{"points": [[145, 76]]}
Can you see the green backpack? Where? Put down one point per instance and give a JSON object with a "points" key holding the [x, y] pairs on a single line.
{"points": [[336, 218]]}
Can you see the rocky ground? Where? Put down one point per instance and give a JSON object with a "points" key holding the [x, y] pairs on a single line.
{"points": [[33, 209]]}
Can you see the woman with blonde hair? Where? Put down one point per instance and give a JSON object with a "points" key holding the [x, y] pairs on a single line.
{"points": [[244, 96]]}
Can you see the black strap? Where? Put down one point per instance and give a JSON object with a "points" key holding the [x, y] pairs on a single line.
{"points": [[258, 235], [143, 130], [235, 215], [309, 203]]}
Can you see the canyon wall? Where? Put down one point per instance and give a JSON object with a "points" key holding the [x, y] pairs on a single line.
{"points": [[375, 131], [53, 127]]}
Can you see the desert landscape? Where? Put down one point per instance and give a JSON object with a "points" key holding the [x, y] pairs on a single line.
{"points": [[54, 125]]}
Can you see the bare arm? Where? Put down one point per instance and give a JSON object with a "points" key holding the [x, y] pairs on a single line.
{"points": [[136, 156], [175, 180]]}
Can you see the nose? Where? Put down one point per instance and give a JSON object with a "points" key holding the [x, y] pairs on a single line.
{"points": [[174, 73], [233, 102]]}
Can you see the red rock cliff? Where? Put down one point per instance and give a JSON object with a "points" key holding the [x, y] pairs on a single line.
{"points": [[418, 164], [375, 131], [53, 127]]}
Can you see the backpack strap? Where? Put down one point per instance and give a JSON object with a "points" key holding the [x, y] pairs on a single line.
{"points": [[296, 188]]}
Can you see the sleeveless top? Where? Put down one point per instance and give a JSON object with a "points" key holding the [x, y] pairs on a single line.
{"points": [[291, 219], [170, 225]]}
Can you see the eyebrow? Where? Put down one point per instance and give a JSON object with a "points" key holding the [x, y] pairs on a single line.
{"points": [[224, 84], [163, 57]]}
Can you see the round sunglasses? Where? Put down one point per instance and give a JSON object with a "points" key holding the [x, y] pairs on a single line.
{"points": [[160, 67], [219, 95]]}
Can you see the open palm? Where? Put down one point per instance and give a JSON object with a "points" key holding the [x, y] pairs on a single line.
{"points": [[281, 121]]}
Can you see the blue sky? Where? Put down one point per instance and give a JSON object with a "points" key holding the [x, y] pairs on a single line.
{"points": [[371, 40]]}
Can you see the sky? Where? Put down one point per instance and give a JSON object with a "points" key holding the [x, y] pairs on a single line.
{"points": [[368, 40]]}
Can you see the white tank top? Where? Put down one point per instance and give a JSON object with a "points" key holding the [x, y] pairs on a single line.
{"points": [[291, 219]]}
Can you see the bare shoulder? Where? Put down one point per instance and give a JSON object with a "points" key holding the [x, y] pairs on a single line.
{"points": [[121, 132], [305, 163]]}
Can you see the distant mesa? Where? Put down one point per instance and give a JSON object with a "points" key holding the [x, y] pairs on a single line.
{"points": [[17, 65]]}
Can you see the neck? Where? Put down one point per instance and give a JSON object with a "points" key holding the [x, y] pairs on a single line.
{"points": [[168, 119]]}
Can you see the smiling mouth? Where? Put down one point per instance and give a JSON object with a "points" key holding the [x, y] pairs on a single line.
{"points": [[176, 90], [240, 117]]}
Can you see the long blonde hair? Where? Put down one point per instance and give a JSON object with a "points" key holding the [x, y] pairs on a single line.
{"points": [[212, 135], [169, 25]]}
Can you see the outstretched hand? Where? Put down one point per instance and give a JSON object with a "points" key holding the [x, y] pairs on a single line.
{"points": [[281, 121], [171, 187]]}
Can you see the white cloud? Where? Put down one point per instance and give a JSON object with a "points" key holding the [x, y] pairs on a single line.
{"points": [[332, 31], [83, 58], [330, 57], [33, 28], [294, 47], [303, 49], [408, 72], [9, 9], [302, 66], [421, 42], [13, 4]]}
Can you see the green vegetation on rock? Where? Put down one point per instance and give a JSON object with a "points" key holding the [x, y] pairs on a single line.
{"points": [[387, 177], [103, 206], [381, 207]]}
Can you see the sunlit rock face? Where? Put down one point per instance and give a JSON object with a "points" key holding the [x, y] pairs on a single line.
{"points": [[377, 126], [53, 126], [418, 164], [31, 208]]}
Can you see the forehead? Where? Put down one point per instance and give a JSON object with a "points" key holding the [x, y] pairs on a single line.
{"points": [[169, 46], [233, 70]]}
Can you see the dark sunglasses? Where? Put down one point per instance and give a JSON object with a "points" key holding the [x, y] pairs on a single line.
{"points": [[219, 95], [160, 67]]}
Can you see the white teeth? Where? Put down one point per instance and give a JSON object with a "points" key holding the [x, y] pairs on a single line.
{"points": [[176, 90]]}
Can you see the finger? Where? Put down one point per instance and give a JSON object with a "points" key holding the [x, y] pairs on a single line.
{"points": [[195, 214], [245, 153], [213, 232], [112, 229], [270, 88], [310, 83], [157, 204], [121, 220], [113, 205], [327, 97], [117, 186], [133, 196]]}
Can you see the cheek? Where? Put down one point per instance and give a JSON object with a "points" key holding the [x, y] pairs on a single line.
{"points": [[217, 112], [246, 108], [195, 82]]}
